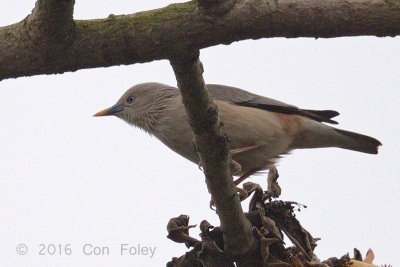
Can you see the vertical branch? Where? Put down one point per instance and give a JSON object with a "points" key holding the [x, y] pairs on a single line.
{"points": [[51, 21], [213, 147]]}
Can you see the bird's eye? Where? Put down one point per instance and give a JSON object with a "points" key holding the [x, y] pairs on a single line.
{"points": [[130, 99]]}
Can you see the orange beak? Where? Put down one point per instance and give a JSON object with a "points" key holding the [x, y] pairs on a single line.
{"points": [[110, 111]]}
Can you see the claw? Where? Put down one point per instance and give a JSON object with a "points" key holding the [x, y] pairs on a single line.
{"points": [[242, 196], [236, 167], [200, 165], [242, 193], [212, 204]]}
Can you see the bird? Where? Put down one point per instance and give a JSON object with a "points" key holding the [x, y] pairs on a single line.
{"points": [[261, 130]]}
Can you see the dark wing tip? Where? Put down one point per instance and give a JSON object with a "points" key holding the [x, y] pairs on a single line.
{"points": [[323, 115], [318, 115], [329, 114], [331, 121]]}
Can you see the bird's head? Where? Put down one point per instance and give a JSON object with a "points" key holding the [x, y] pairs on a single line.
{"points": [[141, 105]]}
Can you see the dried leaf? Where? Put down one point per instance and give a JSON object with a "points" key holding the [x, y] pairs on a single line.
{"points": [[357, 255], [269, 224], [178, 231], [370, 256], [274, 190], [258, 194], [354, 263]]}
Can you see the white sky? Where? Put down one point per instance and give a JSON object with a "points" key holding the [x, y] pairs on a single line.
{"points": [[69, 178]]}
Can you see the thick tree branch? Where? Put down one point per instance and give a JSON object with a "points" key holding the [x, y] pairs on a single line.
{"points": [[158, 34], [213, 148], [38, 42]]}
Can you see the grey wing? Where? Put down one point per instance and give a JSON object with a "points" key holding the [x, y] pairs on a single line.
{"points": [[243, 98]]}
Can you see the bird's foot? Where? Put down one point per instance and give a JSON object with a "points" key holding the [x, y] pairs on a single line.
{"points": [[235, 167], [242, 196], [200, 165], [212, 204], [245, 176], [242, 193]]}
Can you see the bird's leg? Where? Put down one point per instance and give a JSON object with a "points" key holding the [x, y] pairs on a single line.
{"points": [[246, 175], [235, 167], [242, 193], [234, 163], [274, 190], [235, 151]]}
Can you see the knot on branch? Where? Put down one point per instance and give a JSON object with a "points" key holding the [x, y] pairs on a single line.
{"points": [[216, 7], [208, 118]]}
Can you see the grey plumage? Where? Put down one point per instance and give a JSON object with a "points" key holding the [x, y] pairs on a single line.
{"points": [[261, 129], [243, 98]]}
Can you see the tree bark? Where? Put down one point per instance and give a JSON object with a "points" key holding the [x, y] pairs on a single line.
{"points": [[213, 147], [164, 33]]}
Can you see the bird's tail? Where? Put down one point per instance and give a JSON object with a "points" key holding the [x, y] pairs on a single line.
{"points": [[358, 142], [315, 135]]}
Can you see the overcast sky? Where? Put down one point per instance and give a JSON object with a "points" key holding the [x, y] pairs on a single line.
{"points": [[69, 178]]}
